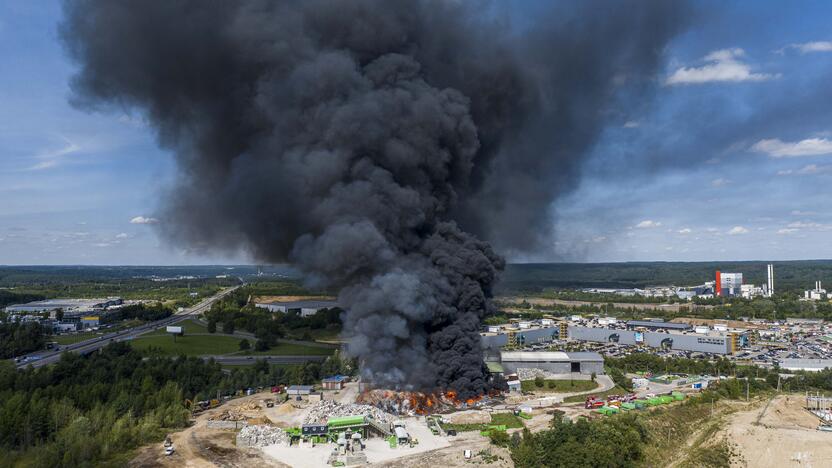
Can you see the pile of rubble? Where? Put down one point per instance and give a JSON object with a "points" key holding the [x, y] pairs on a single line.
{"points": [[250, 405], [531, 374], [228, 415], [261, 436], [325, 409]]}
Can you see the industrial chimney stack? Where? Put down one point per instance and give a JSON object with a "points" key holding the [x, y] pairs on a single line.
{"points": [[770, 270]]}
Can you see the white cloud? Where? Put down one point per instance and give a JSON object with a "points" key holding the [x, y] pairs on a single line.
{"points": [[143, 220], [632, 124], [790, 149], [787, 231], [647, 224], [736, 230], [808, 47], [802, 213], [684, 231], [721, 66], [122, 235], [720, 182], [50, 158]]}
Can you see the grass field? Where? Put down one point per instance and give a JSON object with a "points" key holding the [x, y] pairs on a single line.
{"points": [[559, 386], [197, 345], [190, 326], [581, 398], [290, 349]]}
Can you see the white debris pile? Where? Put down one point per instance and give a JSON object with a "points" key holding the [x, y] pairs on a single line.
{"points": [[532, 373], [325, 409], [261, 436]]}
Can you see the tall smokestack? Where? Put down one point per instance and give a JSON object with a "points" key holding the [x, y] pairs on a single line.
{"points": [[370, 142]]}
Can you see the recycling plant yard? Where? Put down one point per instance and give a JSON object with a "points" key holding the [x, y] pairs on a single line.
{"points": [[374, 427]]}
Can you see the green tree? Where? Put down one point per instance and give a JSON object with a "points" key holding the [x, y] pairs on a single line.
{"points": [[538, 382], [212, 326], [244, 345], [228, 327]]}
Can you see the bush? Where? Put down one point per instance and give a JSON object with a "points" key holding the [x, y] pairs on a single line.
{"points": [[550, 384], [261, 345], [538, 382], [244, 345]]}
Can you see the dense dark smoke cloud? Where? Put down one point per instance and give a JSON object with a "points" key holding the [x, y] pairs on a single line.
{"points": [[363, 140]]}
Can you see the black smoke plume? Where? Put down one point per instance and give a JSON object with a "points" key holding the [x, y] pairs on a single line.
{"points": [[363, 140]]}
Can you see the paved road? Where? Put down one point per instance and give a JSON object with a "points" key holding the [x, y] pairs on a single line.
{"points": [[42, 358]]}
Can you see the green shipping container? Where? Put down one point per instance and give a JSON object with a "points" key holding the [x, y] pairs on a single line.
{"points": [[678, 396], [640, 403], [667, 399], [654, 401], [345, 421], [628, 406]]}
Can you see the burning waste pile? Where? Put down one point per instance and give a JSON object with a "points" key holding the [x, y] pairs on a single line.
{"points": [[261, 436], [421, 403], [372, 144], [326, 409]]}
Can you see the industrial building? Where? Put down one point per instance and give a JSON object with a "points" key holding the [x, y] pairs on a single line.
{"points": [[494, 341], [556, 362], [728, 284], [304, 308], [657, 325], [716, 343], [816, 294], [71, 307]]}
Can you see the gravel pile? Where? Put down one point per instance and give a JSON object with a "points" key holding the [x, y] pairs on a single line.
{"points": [[261, 436], [325, 409]]}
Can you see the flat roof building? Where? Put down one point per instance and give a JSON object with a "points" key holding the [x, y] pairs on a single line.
{"points": [[556, 362], [715, 343], [657, 325], [303, 308], [69, 306]]}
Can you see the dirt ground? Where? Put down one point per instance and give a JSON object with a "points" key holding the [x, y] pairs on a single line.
{"points": [[453, 455], [200, 447], [780, 434]]}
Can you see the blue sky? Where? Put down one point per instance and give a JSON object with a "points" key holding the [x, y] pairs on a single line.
{"points": [[731, 160]]}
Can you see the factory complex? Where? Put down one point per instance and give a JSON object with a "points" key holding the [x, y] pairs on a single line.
{"points": [[649, 334], [70, 307]]}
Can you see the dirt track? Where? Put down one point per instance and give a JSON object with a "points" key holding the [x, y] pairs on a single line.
{"points": [[786, 435]]}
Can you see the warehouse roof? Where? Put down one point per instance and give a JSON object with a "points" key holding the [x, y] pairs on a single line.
{"points": [[658, 324], [548, 356]]}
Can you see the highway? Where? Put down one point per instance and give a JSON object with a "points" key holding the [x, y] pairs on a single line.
{"points": [[43, 358]]}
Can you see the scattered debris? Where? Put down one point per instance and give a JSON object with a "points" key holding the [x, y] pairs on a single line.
{"points": [[321, 411], [261, 436], [531, 374]]}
